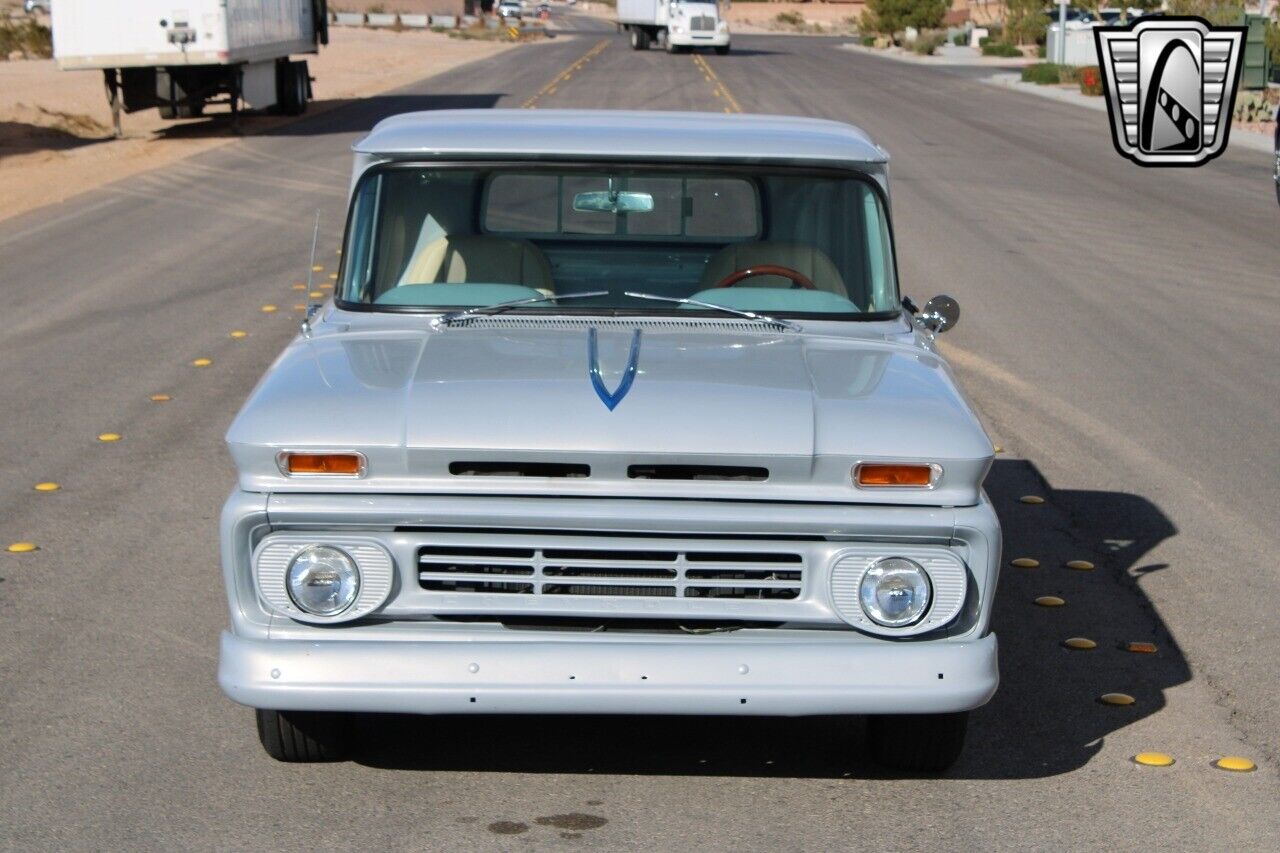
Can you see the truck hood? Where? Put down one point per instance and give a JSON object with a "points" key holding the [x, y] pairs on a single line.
{"points": [[441, 411]]}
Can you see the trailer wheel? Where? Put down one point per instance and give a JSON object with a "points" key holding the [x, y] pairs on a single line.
{"points": [[639, 39], [292, 87]]}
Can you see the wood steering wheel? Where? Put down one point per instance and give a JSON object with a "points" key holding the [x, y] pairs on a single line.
{"points": [[799, 279]]}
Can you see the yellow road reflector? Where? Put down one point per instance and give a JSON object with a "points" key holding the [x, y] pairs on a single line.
{"points": [[1080, 565], [1083, 644], [999, 449], [317, 268], [239, 333], [1025, 563], [1230, 762], [333, 275], [109, 436], [269, 309], [1050, 601], [47, 487], [1141, 648], [315, 294], [202, 362], [1116, 699], [1153, 759], [339, 252], [299, 307], [299, 286], [160, 398], [326, 287], [22, 547], [1031, 499]]}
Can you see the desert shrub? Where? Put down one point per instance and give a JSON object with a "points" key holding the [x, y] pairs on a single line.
{"points": [[1000, 48], [960, 39], [926, 43], [1041, 51], [894, 16], [1256, 106], [868, 41], [791, 19], [1042, 73], [27, 36], [1091, 80]]}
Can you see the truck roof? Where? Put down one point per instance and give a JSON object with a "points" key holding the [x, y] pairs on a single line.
{"points": [[634, 135]]}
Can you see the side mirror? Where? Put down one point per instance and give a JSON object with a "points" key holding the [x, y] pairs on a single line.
{"points": [[940, 314]]}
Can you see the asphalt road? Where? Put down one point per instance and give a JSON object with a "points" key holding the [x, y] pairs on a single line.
{"points": [[1118, 337]]}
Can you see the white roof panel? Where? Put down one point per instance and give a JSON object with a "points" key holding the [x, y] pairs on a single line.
{"points": [[594, 134]]}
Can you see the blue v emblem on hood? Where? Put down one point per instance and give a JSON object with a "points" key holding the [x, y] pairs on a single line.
{"points": [[628, 376]]}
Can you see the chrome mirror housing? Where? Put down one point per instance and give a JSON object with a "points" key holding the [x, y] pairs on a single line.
{"points": [[940, 314]]}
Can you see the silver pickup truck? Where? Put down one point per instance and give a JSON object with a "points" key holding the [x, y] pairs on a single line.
{"points": [[613, 413]]}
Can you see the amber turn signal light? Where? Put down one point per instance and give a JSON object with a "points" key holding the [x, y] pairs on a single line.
{"points": [[333, 464], [877, 474]]}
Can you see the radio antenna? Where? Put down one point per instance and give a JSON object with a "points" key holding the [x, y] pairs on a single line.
{"points": [[311, 268]]}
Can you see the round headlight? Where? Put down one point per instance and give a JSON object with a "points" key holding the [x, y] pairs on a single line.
{"points": [[322, 580], [895, 592]]}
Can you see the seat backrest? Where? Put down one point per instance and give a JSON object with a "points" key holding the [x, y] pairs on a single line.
{"points": [[479, 259], [801, 257]]}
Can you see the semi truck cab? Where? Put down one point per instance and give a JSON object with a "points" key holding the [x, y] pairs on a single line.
{"points": [[676, 25]]}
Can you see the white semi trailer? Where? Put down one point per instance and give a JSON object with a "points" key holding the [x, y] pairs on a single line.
{"points": [[677, 25], [181, 55]]}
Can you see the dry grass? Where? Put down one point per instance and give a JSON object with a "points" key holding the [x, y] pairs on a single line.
{"points": [[25, 36]]}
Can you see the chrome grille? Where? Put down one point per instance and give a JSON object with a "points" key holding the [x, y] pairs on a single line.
{"points": [[702, 23], [714, 573]]}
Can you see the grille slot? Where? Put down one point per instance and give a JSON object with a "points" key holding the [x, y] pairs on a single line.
{"points": [[519, 469], [698, 472], [624, 572], [702, 23]]}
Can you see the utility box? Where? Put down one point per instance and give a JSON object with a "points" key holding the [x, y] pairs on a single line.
{"points": [[1255, 68]]}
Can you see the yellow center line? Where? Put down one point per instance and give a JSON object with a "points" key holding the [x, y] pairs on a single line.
{"points": [[720, 90], [565, 75]]}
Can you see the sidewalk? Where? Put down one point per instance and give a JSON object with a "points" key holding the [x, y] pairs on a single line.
{"points": [[1072, 95]]}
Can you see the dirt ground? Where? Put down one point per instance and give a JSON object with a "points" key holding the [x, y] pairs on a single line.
{"points": [[762, 17], [55, 127]]}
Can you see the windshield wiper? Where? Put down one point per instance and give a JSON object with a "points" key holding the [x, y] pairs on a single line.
{"points": [[499, 307], [750, 315]]}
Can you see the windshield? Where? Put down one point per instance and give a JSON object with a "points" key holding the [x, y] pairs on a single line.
{"points": [[785, 243]]}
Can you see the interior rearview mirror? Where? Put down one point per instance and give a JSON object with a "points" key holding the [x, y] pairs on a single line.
{"points": [[940, 314], [613, 201]]}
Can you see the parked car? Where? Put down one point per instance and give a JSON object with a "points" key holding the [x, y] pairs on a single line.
{"points": [[510, 9], [33, 6], [613, 413]]}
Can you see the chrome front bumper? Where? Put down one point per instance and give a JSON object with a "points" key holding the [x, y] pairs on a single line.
{"points": [[595, 674]]}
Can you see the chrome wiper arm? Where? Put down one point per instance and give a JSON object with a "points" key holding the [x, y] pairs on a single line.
{"points": [[498, 307], [750, 315]]}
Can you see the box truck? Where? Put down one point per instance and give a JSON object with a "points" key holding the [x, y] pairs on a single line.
{"points": [[677, 25], [181, 55]]}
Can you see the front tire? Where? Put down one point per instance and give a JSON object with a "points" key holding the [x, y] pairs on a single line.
{"points": [[304, 736], [722, 50], [639, 39], [917, 743]]}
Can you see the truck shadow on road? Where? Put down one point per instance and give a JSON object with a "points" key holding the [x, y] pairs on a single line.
{"points": [[327, 116], [1045, 719]]}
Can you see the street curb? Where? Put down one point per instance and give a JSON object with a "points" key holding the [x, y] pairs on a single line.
{"points": [[994, 62], [1239, 138]]}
